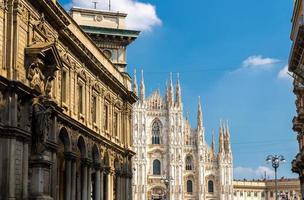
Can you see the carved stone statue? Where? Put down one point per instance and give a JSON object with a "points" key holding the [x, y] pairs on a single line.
{"points": [[41, 119]]}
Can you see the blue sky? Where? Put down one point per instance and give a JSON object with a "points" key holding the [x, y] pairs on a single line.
{"points": [[208, 43]]}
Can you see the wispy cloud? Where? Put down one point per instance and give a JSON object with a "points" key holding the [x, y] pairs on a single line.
{"points": [[259, 62], [283, 74], [251, 173], [141, 16]]}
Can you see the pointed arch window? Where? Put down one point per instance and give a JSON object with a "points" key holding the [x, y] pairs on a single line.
{"points": [[189, 186], [156, 167], [210, 186], [156, 133], [189, 163]]}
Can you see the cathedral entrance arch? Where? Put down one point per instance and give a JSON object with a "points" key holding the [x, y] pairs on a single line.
{"points": [[157, 193]]}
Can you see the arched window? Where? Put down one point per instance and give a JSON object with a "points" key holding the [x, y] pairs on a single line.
{"points": [[189, 163], [210, 187], [156, 167], [156, 133], [189, 186]]}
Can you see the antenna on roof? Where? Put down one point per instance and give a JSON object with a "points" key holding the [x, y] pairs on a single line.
{"points": [[95, 4]]}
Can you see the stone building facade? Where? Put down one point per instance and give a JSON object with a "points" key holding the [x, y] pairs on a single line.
{"points": [[65, 106], [265, 189], [172, 159], [296, 67]]}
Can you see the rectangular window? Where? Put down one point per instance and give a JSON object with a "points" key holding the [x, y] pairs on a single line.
{"points": [[115, 124], [81, 99], [106, 117], [94, 109], [255, 194], [64, 86]]}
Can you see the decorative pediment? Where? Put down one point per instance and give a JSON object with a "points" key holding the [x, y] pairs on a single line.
{"points": [[42, 61], [42, 32]]}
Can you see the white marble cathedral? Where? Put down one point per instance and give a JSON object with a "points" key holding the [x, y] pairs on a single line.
{"points": [[173, 160]]}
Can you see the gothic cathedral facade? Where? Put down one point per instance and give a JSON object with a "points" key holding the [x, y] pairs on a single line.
{"points": [[173, 160]]}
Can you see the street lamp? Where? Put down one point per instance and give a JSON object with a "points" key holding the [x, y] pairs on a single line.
{"points": [[166, 180], [275, 160]]}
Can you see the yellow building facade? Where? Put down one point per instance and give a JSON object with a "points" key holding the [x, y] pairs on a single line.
{"points": [[65, 105], [265, 189], [296, 67]]}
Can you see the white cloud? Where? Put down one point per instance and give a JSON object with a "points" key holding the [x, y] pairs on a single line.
{"points": [[250, 173], [283, 73], [141, 16], [259, 62]]}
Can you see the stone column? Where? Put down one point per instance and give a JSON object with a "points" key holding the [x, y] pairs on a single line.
{"points": [[67, 178], [110, 186], [127, 187], [73, 191], [107, 181], [84, 180], [78, 187], [97, 183], [118, 190], [122, 190], [89, 182], [101, 185]]}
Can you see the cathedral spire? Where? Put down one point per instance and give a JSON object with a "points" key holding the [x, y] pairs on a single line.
{"points": [[199, 115], [228, 137], [213, 142], [170, 92], [221, 138], [187, 116], [142, 87], [178, 97], [135, 88]]}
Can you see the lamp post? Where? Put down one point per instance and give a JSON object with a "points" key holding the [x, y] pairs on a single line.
{"points": [[166, 180], [275, 160]]}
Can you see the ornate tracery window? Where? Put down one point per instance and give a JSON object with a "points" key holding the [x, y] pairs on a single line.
{"points": [[156, 133], [189, 163], [156, 167]]}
